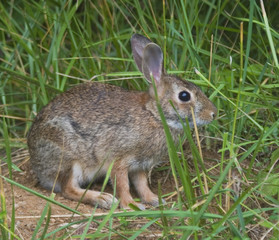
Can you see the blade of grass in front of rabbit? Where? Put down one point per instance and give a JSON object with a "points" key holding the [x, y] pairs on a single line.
{"points": [[183, 170], [194, 149], [200, 150], [171, 151], [170, 144], [190, 194]]}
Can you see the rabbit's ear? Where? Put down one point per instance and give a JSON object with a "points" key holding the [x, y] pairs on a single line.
{"points": [[148, 57], [139, 43], [152, 63]]}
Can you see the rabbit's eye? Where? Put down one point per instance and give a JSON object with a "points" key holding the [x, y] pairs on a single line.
{"points": [[184, 96]]}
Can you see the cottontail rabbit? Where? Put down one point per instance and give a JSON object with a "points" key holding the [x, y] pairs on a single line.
{"points": [[77, 136]]}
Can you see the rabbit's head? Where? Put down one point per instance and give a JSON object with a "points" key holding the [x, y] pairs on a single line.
{"points": [[184, 95]]}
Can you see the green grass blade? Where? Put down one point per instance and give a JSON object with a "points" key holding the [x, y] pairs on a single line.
{"points": [[268, 32], [9, 162]]}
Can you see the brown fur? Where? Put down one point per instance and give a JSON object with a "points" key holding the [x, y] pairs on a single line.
{"points": [[82, 131]]}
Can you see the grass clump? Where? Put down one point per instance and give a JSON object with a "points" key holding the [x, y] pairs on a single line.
{"points": [[229, 187]]}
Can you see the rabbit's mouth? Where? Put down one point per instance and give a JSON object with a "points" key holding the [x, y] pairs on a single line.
{"points": [[197, 121], [177, 125]]}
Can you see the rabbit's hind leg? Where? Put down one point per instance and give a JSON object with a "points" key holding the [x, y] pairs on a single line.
{"points": [[71, 189]]}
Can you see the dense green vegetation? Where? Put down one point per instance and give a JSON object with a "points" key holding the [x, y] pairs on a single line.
{"points": [[228, 48]]}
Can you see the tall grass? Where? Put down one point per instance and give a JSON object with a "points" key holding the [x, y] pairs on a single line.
{"points": [[47, 47]]}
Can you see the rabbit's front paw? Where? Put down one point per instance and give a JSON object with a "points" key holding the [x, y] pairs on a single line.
{"points": [[124, 203], [154, 201], [138, 205], [105, 200]]}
